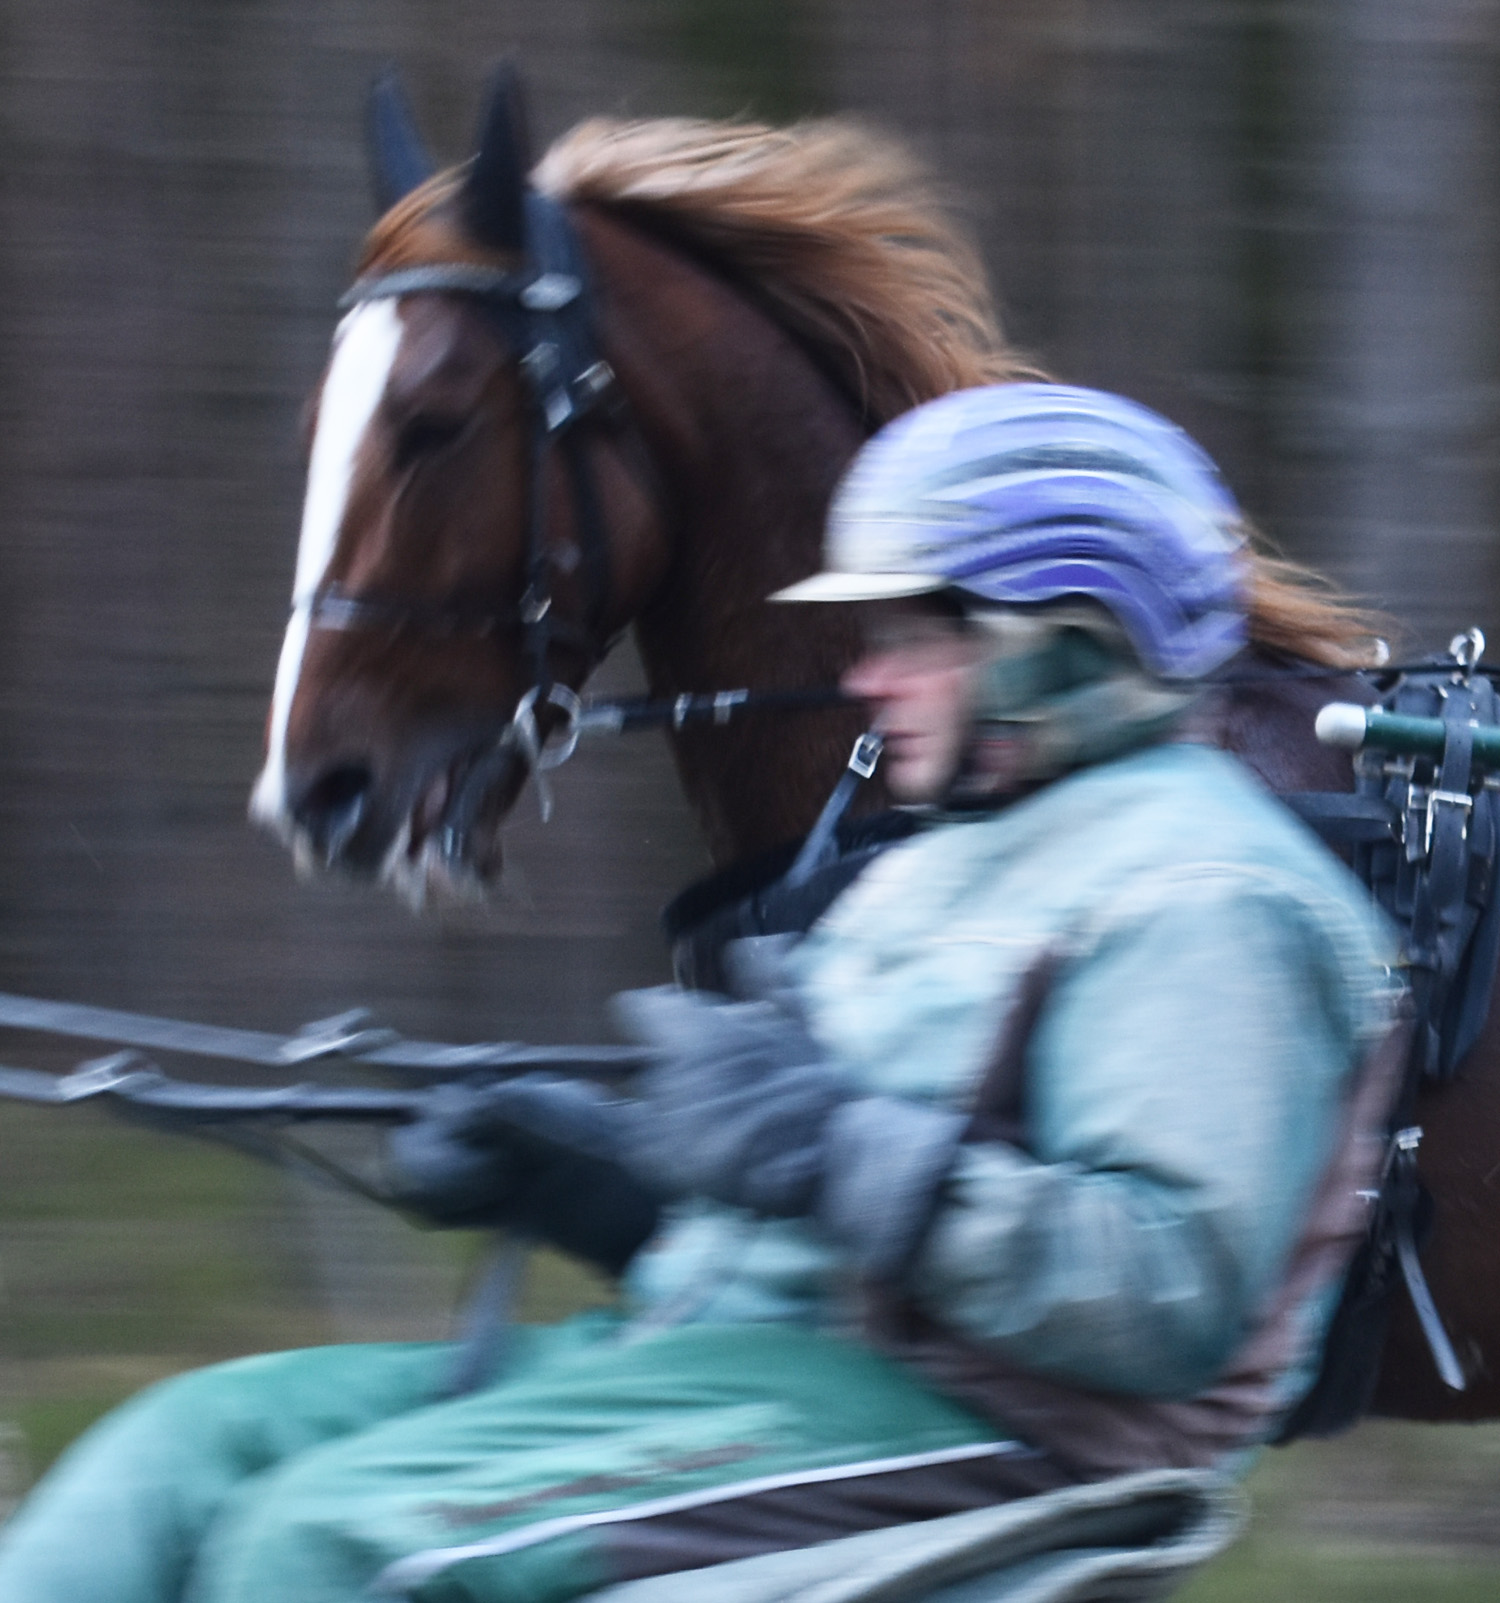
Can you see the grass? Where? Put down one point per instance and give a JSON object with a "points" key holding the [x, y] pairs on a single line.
{"points": [[1265, 1571], [1390, 1513]]}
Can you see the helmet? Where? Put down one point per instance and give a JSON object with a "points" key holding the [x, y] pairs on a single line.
{"points": [[1024, 493]]}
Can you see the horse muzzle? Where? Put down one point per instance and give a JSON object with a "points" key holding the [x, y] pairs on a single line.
{"points": [[434, 834]]}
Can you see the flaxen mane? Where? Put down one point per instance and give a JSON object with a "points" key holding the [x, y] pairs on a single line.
{"points": [[838, 229], [843, 236]]}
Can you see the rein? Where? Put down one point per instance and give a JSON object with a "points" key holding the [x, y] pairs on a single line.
{"points": [[615, 716]]}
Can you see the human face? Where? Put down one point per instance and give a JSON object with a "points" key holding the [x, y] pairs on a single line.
{"points": [[919, 675]]}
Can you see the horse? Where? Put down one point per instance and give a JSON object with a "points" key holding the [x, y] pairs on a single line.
{"points": [[617, 392]]}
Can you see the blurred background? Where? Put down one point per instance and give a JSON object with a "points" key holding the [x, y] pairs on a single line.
{"points": [[1275, 220]]}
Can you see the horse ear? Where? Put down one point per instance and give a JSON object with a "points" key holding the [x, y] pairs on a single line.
{"points": [[494, 193], [398, 159]]}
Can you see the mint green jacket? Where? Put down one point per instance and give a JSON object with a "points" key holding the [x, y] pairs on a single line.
{"points": [[1219, 976]]}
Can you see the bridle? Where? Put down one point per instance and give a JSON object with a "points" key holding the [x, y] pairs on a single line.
{"points": [[543, 312]]}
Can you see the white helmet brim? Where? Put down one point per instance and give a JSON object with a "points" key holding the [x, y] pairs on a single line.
{"points": [[861, 587]]}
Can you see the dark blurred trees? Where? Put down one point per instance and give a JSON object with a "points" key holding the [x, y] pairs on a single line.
{"points": [[1390, 411], [1274, 219]]}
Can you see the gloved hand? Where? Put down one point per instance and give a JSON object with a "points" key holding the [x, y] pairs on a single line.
{"points": [[741, 1105], [536, 1155]]}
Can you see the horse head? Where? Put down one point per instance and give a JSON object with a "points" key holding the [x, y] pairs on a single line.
{"points": [[454, 580], [618, 390]]}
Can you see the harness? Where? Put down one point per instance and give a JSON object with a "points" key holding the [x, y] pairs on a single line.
{"points": [[1424, 825]]}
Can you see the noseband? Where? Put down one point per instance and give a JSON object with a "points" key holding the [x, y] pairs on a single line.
{"points": [[543, 314]]}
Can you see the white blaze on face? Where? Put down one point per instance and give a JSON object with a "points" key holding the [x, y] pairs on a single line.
{"points": [[364, 347]]}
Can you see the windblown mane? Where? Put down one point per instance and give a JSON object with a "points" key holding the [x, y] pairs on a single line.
{"points": [[844, 236], [840, 231]]}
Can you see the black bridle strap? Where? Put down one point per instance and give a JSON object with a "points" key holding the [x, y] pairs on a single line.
{"points": [[334, 608], [567, 380], [536, 598], [597, 564], [445, 278], [542, 313]]}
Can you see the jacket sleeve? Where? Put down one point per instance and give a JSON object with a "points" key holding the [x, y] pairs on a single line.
{"points": [[1183, 1088]]}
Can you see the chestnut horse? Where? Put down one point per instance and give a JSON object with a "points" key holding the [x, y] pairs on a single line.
{"points": [[626, 404]]}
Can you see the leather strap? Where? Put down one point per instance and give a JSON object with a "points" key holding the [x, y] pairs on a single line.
{"points": [[1345, 818]]}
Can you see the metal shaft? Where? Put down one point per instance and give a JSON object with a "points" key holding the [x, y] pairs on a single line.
{"points": [[1355, 728]]}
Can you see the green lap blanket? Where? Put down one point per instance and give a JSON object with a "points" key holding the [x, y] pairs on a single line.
{"points": [[1116, 1541]]}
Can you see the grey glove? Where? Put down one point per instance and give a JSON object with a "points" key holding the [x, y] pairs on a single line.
{"points": [[740, 1105], [537, 1155]]}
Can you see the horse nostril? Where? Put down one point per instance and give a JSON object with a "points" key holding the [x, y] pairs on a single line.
{"points": [[332, 808]]}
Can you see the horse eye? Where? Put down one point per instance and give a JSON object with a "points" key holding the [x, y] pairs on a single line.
{"points": [[423, 436]]}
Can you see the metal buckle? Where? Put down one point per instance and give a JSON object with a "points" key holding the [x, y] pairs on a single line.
{"points": [[333, 1037], [102, 1074], [1448, 798], [539, 364], [725, 701], [1402, 1142], [528, 737], [550, 293], [866, 754], [558, 408], [594, 383], [1466, 650]]}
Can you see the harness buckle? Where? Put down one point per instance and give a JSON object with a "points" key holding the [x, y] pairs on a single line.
{"points": [[332, 1037], [540, 363], [866, 754], [550, 292], [558, 409], [542, 366], [1444, 798], [102, 1074], [594, 383], [1466, 650], [725, 701]]}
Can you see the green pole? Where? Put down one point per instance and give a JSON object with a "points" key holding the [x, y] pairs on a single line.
{"points": [[1355, 728]]}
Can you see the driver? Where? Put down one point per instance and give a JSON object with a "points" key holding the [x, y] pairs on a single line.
{"points": [[1035, 1162]]}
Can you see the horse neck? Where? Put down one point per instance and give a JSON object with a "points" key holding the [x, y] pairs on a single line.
{"points": [[749, 438]]}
